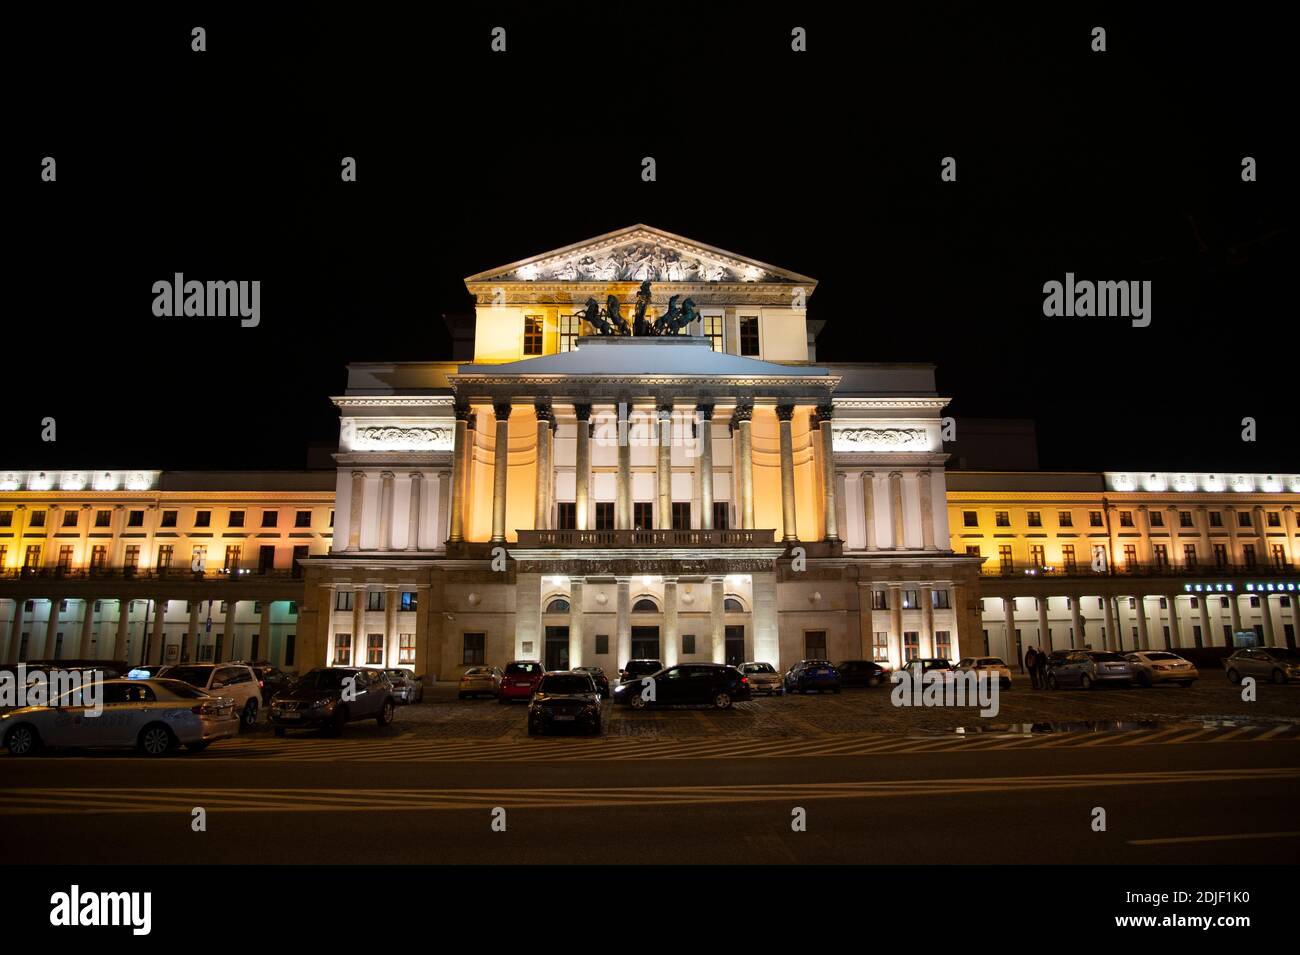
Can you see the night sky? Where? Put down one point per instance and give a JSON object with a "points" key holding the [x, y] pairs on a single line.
{"points": [[225, 165]]}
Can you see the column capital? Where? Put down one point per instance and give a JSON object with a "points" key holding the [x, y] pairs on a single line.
{"points": [[744, 411], [544, 411], [386, 475], [705, 411], [472, 422], [462, 410], [358, 474], [502, 410], [785, 412], [416, 476], [923, 473], [664, 407], [824, 412], [896, 475], [582, 412]]}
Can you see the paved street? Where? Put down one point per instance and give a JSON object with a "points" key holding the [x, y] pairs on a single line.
{"points": [[697, 786]]}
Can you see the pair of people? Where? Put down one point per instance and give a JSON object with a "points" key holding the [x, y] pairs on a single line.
{"points": [[1036, 667]]}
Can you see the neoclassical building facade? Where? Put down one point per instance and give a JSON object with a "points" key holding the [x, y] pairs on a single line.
{"points": [[719, 494]]}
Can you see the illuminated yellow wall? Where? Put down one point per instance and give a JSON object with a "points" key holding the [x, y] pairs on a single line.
{"points": [[521, 478]]}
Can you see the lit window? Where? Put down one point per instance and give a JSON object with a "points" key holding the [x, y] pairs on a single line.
{"points": [[532, 334]]}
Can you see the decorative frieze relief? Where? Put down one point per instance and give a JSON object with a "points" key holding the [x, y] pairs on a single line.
{"points": [[394, 438], [881, 439], [630, 567]]}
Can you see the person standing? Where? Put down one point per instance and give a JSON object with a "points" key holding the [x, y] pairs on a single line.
{"points": [[1031, 666]]}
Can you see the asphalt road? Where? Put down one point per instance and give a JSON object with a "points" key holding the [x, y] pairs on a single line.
{"points": [[1195, 802]]}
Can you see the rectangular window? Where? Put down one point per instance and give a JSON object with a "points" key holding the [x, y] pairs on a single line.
{"points": [[375, 649], [1216, 519], [1161, 555], [1248, 555], [880, 600], [1130, 557], [604, 515], [1094, 519], [290, 644], [236, 519], [33, 556], [202, 518], [343, 600], [1004, 557], [1157, 519], [973, 550], [721, 515], [942, 644], [566, 516], [302, 519], [375, 600], [164, 557], [474, 652], [1064, 519], [6, 518], [911, 645], [342, 649], [1279, 557], [65, 558], [1221, 556], [1125, 518], [712, 330], [69, 518], [168, 519], [814, 642], [98, 558], [1184, 518], [880, 646], [602, 644], [1002, 518], [532, 334], [37, 519], [1243, 519], [570, 329], [749, 335], [132, 560], [406, 648], [970, 519], [265, 558], [1189, 555], [1035, 518], [270, 518], [939, 599], [410, 601], [681, 515], [299, 555], [135, 518], [688, 644], [1037, 556], [1067, 558], [232, 558], [103, 518], [1274, 519], [643, 515], [909, 600]]}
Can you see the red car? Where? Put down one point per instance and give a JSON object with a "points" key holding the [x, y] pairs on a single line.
{"points": [[519, 680]]}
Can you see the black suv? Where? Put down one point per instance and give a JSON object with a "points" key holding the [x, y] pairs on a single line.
{"points": [[565, 699], [687, 684], [862, 673], [332, 697], [635, 669]]}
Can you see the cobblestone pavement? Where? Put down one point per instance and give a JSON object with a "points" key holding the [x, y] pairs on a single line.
{"points": [[871, 711]]}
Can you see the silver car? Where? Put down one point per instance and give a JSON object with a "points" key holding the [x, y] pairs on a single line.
{"points": [[408, 687], [1278, 664], [763, 678], [152, 716], [1087, 668], [1160, 666]]}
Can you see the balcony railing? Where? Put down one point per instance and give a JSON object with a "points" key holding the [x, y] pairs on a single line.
{"points": [[1143, 570], [648, 538], [140, 573]]}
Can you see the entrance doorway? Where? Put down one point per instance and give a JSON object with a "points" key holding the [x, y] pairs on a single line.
{"points": [[735, 644], [557, 648], [645, 643]]}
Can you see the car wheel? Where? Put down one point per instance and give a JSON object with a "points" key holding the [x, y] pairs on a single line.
{"points": [[385, 713], [248, 718], [23, 740], [339, 721], [1051, 681], [1234, 676], [155, 740], [638, 702], [722, 700], [199, 746], [279, 731], [1085, 682], [1279, 676]]}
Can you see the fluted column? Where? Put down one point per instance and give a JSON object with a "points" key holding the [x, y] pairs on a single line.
{"points": [[1234, 610], [926, 487], [1203, 519], [869, 508], [927, 622], [671, 641], [830, 491], [51, 630], [413, 512], [664, 469], [359, 627], [355, 508], [742, 422], [1261, 531], [1175, 639], [623, 622], [159, 630], [1108, 608], [706, 465], [87, 624], [459, 473], [1076, 615], [785, 416], [896, 624], [1044, 628], [542, 504], [123, 628], [1011, 657], [385, 510], [623, 480], [501, 463], [1234, 551], [391, 599], [717, 628], [896, 509], [582, 468], [1266, 617], [1144, 636], [1207, 635]]}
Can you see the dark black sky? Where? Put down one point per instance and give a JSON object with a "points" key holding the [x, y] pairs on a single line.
{"points": [[224, 165]]}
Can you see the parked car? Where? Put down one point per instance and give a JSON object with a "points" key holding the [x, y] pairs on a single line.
{"points": [[235, 680], [408, 687], [993, 667], [924, 665], [862, 673], [1161, 666], [636, 669], [712, 684], [565, 699], [112, 669], [318, 699], [1087, 668], [598, 677], [479, 681], [763, 678], [1278, 664], [143, 672], [806, 675], [519, 680], [153, 716], [271, 678]]}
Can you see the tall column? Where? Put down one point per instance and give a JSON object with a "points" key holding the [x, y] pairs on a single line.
{"points": [[262, 629], [927, 622], [392, 598], [123, 628], [623, 623], [501, 462], [1234, 552], [896, 625], [1207, 635], [1260, 530], [1076, 615], [896, 509], [785, 415], [1175, 638], [664, 469], [459, 473], [576, 635], [671, 641], [1011, 656], [159, 635], [355, 508], [1266, 616], [767, 641], [359, 627], [15, 630], [926, 487], [623, 480], [51, 630], [866, 635], [706, 465], [1203, 520], [869, 508], [582, 468], [192, 634], [717, 629], [228, 644], [1044, 628], [385, 510], [742, 421], [528, 618], [413, 517], [87, 625], [823, 416], [542, 504], [1109, 639], [1140, 608], [1234, 609]]}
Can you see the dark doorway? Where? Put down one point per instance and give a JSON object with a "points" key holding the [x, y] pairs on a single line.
{"points": [[1289, 631], [645, 643], [557, 648], [735, 637]]}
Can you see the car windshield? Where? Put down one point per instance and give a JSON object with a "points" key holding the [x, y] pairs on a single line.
{"points": [[758, 668], [565, 684], [196, 676], [529, 668], [326, 679]]}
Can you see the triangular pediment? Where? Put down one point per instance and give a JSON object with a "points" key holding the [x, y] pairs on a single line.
{"points": [[636, 254]]}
